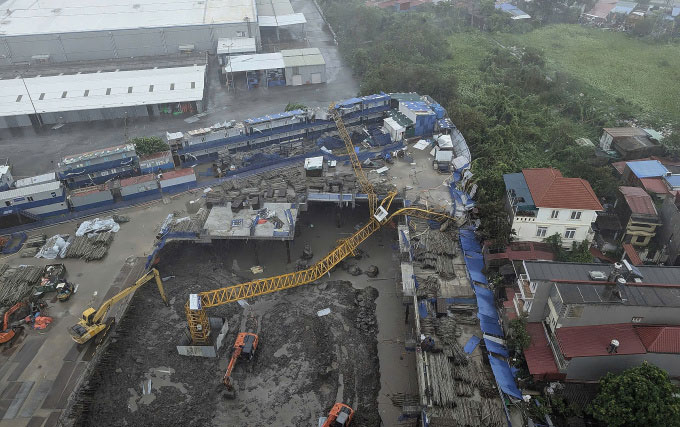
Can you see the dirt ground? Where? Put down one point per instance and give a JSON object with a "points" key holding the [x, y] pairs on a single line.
{"points": [[304, 364]]}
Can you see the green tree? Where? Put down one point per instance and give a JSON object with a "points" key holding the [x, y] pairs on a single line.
{"points": [[519, 338], [291, 106], [149, 144], [640, 396]]}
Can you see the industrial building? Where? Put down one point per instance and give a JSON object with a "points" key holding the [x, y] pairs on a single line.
{"points": [[293, 67], [52, 31], [90, 197], [34, 201], [101, 90], [98, 166]]}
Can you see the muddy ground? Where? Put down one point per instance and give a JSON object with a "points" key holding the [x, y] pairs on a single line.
{"points": [[304, 364]]}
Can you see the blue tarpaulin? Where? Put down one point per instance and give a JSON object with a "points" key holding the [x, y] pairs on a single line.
{"points": [[489, 325], [470, 243], [462, 300], [422, 309], [495, 347], [471, 345], [475, 264], [485, 301], [504, 378]]}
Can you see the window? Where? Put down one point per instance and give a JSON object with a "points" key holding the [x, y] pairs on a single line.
{"points": [[53, 194], [8, 203], [193, 85], [87, 93], [63, 94], [570, 233], [42, 96], [575, 214], [541, 231], [19, 98], [240, 34], [172, 86], [554, 214], [640, 239], [150, 88], [129, 89], [29, 198], [108, 91], [296, 70], [637, 319]]}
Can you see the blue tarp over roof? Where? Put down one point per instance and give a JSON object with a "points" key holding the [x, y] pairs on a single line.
{"points": [[489, 325], [471, 345], [418, 106], [495, 347], [485, 301], [673, 180], [475, 264], [676, 11], [647, 168], [504, 378], [469, 244], [625, 7]]}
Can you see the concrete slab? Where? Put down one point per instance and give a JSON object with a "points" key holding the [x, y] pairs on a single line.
{"points": [[52, 419], [18, 401], [36, 398], [248, 223], [36, 422], [59, 385], [28, 351]]}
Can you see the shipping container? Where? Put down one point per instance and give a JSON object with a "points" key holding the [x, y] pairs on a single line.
{"points": [[90, 197]]}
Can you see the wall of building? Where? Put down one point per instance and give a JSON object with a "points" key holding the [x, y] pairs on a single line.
{"points": [[305, 73], [602, 314], [91, 200], [119, 43], [592, 368], [139, 190], [14, 121], [668, 234], [527, 227]]}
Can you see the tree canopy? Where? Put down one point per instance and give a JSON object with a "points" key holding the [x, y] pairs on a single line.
{"points": [[640, 396], [149, 144]]}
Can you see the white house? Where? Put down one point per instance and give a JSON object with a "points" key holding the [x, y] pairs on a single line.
{"points": [[541, 202]]}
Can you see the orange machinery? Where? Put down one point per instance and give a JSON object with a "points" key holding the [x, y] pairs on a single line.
{"points": [[8, 332], [340, 416], [244, 348]]}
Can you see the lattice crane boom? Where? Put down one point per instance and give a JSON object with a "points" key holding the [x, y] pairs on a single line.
{"points": [[364, 183], [199, 325]]}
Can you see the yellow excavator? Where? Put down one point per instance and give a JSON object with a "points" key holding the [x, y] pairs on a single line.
{"points": [[91, 324], [199, 324]]}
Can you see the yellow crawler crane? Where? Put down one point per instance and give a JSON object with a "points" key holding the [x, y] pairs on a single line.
{"points": [[199, 325]]}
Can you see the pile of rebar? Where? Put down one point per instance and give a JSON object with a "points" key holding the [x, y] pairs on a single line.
{"points": [[193, 223], [17, 283], [89, 247], [35, 241]]}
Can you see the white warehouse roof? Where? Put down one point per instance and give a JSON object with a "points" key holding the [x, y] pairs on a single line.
{"points": [[71, 92], [260, 61], [23, 17], [302, 57], [281, 20], [28, 191], [236, 45], [33, 180]]}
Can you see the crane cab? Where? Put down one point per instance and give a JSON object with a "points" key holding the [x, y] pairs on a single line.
{"points": [[88, 315], [247, 342], [340, 416]]}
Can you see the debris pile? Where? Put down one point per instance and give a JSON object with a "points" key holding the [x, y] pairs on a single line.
{"points": [[278, 185], [90, 242]]}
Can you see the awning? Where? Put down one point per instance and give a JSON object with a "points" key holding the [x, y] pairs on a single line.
{"points": [[504, 378], [281, 20], [485, 302], [495, 347], [261, 61]]}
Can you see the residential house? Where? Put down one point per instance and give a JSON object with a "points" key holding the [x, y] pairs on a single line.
{"points": [[589, 319], [630, 143], [669, 232], [541, 202], [659, 177], [637, 214]]}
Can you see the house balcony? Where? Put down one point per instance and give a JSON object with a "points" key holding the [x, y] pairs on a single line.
{"points": [[525, 287], [561, 362]]}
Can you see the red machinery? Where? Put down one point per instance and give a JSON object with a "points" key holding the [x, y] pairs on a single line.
{"points": [[8, 332], [340, 416], [244, 348]]}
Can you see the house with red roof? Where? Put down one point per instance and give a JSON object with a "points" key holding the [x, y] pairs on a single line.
{"points": [[585, 320], [542, 202], [637, 216]]}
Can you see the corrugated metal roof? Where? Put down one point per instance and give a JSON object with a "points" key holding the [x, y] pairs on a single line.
{"points": [[551, 190], [281, 20], [593, 340], [232, 46], [59, 16], [638, 201], [88, 190], [673, 181], [626, 131], [539, 355], [154, 156], [633, 256], [75, 158], [87, 91], [30, 190], [624, 7], [259, 61], [270, 117], [647, 168], [177, 173], [33, 180], [659, 339], [302, 57], [137, 180], [654, 185]]}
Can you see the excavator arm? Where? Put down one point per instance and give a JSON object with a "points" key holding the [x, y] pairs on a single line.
{"points": [[151, 274], [227, 375], [199, 325]]}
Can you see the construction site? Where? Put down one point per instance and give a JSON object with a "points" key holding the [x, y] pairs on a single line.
{"points": [[339, 290]]}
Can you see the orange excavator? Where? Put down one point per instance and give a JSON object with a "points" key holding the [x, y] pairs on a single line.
{"points": [[340, 416], [244, 348], [8, 331]]}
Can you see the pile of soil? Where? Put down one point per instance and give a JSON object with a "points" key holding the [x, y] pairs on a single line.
{"points": [[303, 365]]}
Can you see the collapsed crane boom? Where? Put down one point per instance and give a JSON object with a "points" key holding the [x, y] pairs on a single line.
{"points": [[199, 325]]}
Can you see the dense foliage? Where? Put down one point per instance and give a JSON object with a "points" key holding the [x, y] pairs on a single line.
{"points": [[149, 145], [640, 396], [292, 106]]}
